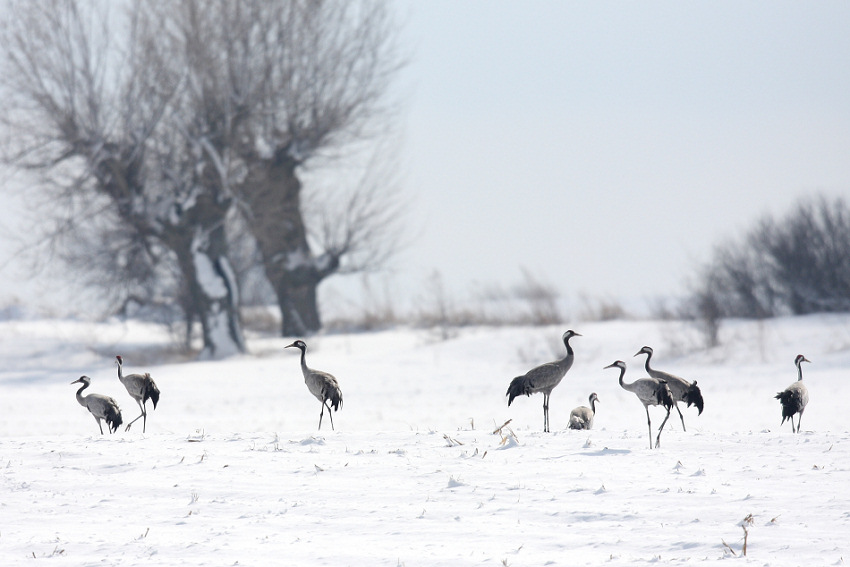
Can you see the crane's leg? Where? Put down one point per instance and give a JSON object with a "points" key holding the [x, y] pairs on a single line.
{"points": [[680, 416], [649, 425], [658, 439], [546, 413], [99, 425], [321, 415], [330, 413], [799, 419], [144, 415]]}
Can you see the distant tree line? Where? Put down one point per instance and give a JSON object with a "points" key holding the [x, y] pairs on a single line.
{"points": [[168, 134], [796, 264]]}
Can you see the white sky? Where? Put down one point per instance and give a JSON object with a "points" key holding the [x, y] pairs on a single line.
{"points": [[607, 146]]}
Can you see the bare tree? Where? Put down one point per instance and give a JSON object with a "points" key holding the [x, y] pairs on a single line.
{"points": [[799, 263], [92, 116], [809, 255], [159, 126], [305, 82]]}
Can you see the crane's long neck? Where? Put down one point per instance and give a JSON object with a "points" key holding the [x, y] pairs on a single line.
{"points": [[593, 405], [569, 348], [799, 371], [646, 364], [120, 371], [624, 385], [80, 398], [567, 361], [304, 369]]}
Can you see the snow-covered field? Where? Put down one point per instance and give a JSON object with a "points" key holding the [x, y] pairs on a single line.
{"points": [[232, 470]]}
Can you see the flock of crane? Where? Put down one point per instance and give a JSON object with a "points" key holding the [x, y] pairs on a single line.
{"points": [[658, 389]]}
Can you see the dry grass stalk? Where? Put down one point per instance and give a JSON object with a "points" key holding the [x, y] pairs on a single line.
{"points": [[498, 430], [451, 442], [747, 521]]}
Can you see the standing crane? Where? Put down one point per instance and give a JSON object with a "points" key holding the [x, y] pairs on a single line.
{"points": [[795, 397], [650, 392], [322, 385], [141, 388], [682, 390], [543, 378], [101, 407], [582, 416]]}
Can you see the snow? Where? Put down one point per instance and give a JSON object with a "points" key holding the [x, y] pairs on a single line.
{"points": [[232, 470], [297, 259], [221, 343], [210, 281]]}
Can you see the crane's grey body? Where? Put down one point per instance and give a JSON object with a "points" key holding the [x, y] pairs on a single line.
{"points": [[141, 388], [582, 416], [650, 392], [795, 397], [100, 406], [543, 378], [322, 385], [681, 389]]}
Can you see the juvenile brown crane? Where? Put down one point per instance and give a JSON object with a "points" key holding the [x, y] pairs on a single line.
{"points": [[795, 397], [582, 416], [141, 388], [322, 385], [650, 392], [543, 378], [682, 390], [101, 407]]}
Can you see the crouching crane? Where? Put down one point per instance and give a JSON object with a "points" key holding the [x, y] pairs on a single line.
{"points": [[100, 406], [582, 416]]}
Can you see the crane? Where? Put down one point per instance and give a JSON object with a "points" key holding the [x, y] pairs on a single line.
{"points": [[543, 378], [650, 392], [682, 390], [795, 397], [322, 385], [582, 416], [141, 388], [101, 407]]}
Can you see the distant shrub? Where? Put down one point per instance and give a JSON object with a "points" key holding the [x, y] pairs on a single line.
{"points": [[797, 264], [601, 309], [531, 301]]}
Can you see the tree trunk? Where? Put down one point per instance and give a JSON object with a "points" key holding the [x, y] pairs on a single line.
{"points": [[198, 239], [277, 224], [196, 235], [213, 292], [299, 309]]}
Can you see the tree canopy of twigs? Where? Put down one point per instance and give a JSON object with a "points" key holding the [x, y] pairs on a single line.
{"points": [[151, 125], [796, 264]]}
